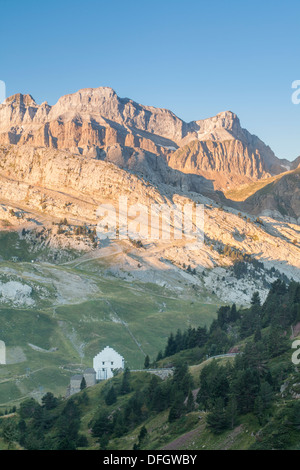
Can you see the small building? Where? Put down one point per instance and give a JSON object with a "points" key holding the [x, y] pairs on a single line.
{"points": [[104, 365], [75, 383], [106, 362], [90, 377]]}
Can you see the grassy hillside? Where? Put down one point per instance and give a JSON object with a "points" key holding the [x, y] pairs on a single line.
{"points": [[74, 312], [189, 432], [250, 401]]}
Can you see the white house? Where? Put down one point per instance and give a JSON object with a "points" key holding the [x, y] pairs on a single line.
{"points": [[105, 362], [2, 353]]}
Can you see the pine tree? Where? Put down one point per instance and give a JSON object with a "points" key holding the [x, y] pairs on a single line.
{"points": [[142, 435], [182, 379], [255, 300], [125, 386], [259, 409], [83, 384], [190, 404], [119, 427], [295, 415], [9, 432], [159, 356], [171, 346], [147, 362], [233, 314], [102, 425], [111, 396], [257, 335], [217, 419], [177, 408], [49, 401], [231, 411]]}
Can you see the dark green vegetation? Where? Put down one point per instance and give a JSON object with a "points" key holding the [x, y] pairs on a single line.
{"points": [[246, 402]]}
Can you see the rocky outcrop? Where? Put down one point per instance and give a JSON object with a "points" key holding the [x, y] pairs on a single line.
{"points": [[278, 199], [91, 121], [88, 118], [227, 163], [295, 164], [56, 179]]}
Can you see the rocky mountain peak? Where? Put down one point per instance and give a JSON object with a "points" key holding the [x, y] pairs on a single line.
{"points": [[86, 99], [296, 163], [92, 120], [224, 126], [20, 100]]}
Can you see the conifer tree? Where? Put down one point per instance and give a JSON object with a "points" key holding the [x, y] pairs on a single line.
{"points": [[125, 386], [83, 384], [147, 362], [217, 419], [190, 404], [111, 396]]}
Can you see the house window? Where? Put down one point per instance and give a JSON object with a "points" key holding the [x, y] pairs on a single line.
{"points": [[112, 363], [103, 363]]}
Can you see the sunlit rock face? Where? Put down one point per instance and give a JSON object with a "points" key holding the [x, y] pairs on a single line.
{"points": [[91, 121]]}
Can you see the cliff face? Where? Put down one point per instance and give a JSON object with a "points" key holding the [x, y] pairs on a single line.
{"points": [[295, 163], [76, 175], [91, 121], [228, 163], [278, 198], [88, 120]]}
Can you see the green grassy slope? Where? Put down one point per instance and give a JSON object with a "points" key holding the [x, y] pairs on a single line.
{"points": [[247, 402], [76, 313]]}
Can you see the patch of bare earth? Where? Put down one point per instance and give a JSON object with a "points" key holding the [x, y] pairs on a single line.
{"points": [[231, 438], [183, 441], [187, 439]]}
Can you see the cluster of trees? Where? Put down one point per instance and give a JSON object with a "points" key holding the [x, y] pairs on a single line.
{"points": [[251, 385], [248, 385], [63, 222], [191, 338], [242, 261], [53, 424], [209, 342], [189, 269], [8, 411], [155, 396], [136, 243], [80, 230], [84, 230], [234, 253], [227, 392], [282, 432], [280, 310], [240, 270]]}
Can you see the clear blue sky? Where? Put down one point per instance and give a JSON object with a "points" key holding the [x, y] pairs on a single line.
{"points": [[194, 57]]}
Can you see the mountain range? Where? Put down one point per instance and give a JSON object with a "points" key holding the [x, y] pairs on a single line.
{"points": [[64, 292], [92, 121], [63, 161]]}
